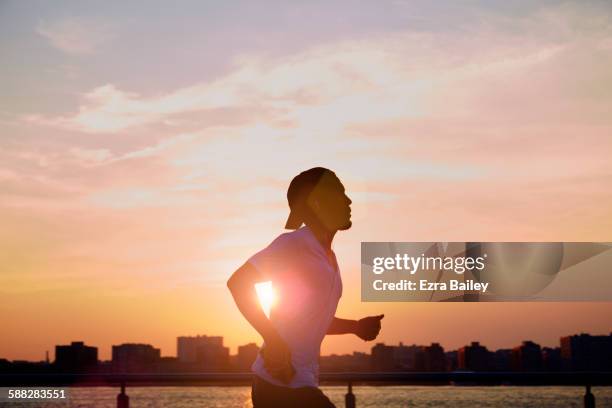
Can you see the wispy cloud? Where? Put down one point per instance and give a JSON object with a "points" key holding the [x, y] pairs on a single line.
{"points": [[334, 85], [76, 35]]}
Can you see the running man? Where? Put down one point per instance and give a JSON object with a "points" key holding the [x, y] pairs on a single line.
{"points": [[304, 273]]}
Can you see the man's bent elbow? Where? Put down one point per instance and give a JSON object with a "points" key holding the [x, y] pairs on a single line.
{"points": [[236, 279], [231, 282]]}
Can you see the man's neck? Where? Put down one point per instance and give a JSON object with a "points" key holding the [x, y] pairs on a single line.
{"points": [[323, 235]]}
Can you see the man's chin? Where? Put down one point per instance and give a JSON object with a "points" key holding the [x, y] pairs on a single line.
{"points": [[346, 226]]}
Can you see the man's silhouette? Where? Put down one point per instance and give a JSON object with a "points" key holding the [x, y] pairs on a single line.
{"points": [[305, 275]]}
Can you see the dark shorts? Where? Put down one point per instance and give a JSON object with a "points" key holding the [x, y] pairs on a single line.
{"points": [[266, 395]]}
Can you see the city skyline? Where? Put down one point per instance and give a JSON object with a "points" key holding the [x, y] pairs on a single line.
{"points": [[206, 354], [373, 344]]}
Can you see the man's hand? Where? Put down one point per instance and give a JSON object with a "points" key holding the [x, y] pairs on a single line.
{"points": [[368, 327], [277, 359]]}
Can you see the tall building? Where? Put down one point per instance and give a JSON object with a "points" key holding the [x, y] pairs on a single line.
{"points": [[130, 357], [551, 359], [246, 356], [433, 358], [584, 352], [527, 357], [187, 346], [451, 360], [474, 358], [407, 357], [205, 352], [76, 357], [5, 365], [383, 357], [502, 360]]}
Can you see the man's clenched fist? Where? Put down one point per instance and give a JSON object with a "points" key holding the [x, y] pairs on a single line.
{"points": [[368, 327]]}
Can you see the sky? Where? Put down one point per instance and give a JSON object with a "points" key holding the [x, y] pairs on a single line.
{"points": [[146, 148]]}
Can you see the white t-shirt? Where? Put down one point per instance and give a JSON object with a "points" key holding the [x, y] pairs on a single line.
{"points": [[308, 288]]}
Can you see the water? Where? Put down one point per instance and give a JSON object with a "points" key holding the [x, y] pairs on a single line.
{"points": [[367, 397]]}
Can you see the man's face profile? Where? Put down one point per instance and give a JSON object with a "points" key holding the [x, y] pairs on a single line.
{"points": [[330, 204]]}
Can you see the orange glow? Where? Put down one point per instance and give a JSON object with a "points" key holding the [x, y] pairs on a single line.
{"points": [[128, 200]]}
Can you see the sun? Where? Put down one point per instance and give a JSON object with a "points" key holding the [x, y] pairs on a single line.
{"points": [[266, 295]]}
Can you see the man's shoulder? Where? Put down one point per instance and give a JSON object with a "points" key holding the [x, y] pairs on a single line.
{"points": [[298, 235], [287, 248], [291, 240]]}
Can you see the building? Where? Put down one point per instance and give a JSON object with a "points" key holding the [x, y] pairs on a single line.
{"points": [[527, 357], [407, 358], [356, 362], [132, 357], [5, 365], [474, 358], [383, 357], [187, 346], [246, 356], [432, 358], [551, 359], [203, 352], [451, 360], [76, 357], [168, 365], [359, 362], [502, 360], [584, 352]]}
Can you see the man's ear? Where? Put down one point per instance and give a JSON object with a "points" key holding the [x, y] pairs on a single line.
{"points": [[314, 205]]}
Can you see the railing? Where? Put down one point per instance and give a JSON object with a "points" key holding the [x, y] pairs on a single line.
{"points": [[586, 379]]}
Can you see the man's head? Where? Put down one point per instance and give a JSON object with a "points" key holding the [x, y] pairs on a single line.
{"points": [[317, 196]]}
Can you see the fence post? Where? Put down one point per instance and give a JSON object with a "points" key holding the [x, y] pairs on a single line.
{"points": [[589, 398], [123, 401], [349, 398]]}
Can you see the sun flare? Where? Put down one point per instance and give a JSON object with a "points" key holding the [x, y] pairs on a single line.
{"points": [[266, 295]]}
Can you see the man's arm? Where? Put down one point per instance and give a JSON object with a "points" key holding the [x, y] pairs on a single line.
{"points": [[342, 326], [366, 328], [242, 286], [277, 357]]}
